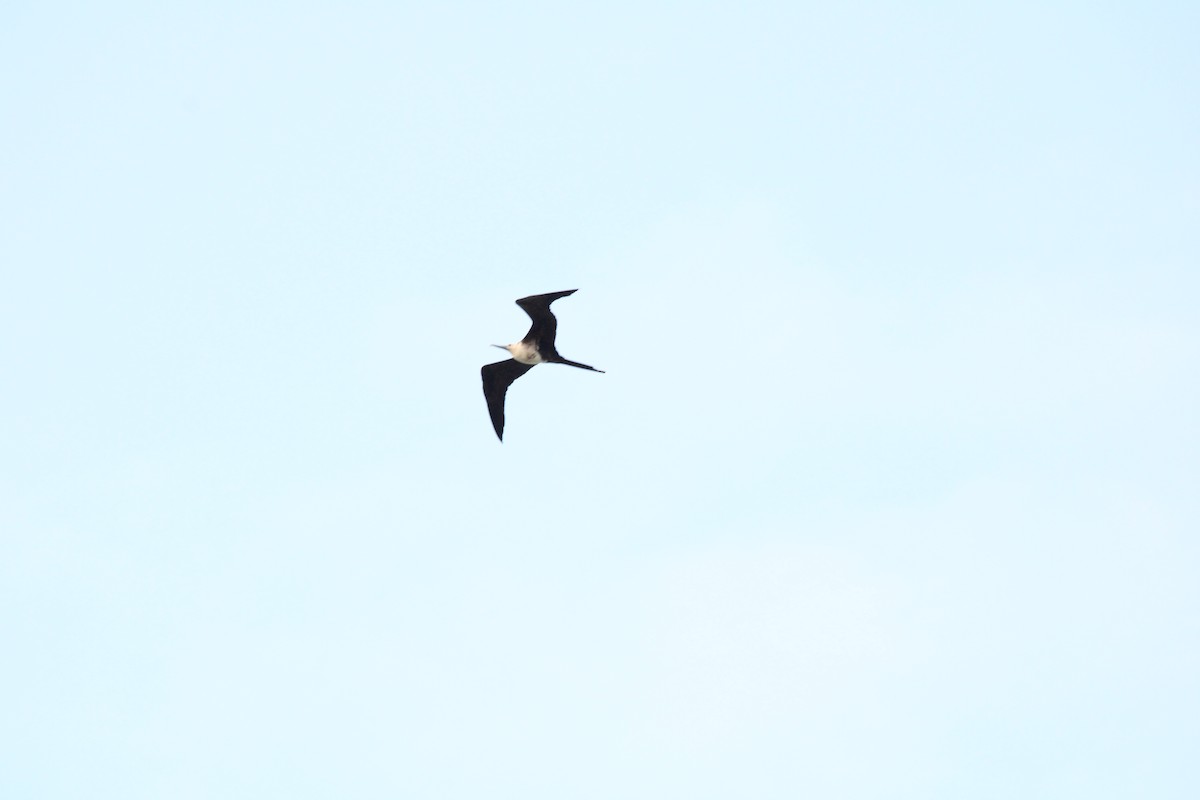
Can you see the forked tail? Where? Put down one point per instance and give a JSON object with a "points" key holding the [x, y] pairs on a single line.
{"points": [[561, 360]]}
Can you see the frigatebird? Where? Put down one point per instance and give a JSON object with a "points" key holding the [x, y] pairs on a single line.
{"points": [[536, 348]]}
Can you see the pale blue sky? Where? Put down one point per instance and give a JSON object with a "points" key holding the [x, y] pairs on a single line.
{"points": [[889, 491]]}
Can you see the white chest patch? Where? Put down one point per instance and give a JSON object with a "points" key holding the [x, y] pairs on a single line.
{"points": [[525, 353]]}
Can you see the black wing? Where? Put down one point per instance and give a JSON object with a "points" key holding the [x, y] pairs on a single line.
{"points": [[496, 380], [544, 327]]}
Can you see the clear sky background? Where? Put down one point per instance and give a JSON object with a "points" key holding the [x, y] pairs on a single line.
{"points": [[890, 489]]}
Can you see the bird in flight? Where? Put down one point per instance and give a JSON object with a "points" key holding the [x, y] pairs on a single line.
{"points": [[537, 347]]}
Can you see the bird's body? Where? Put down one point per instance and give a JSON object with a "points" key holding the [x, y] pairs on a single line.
{"points": [[536, 348], [525, 352]]}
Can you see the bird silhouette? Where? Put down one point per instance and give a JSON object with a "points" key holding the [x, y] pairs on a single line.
{"points": [[536, 348]]}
